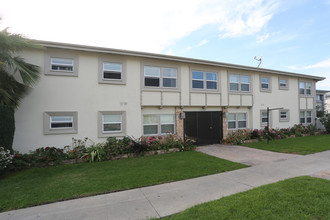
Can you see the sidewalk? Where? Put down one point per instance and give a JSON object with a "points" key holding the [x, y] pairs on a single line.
{"points": [[166, 199]]}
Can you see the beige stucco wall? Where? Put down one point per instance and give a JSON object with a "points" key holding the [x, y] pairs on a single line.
{"points": [[85, 95]]}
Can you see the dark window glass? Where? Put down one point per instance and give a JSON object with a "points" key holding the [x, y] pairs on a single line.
{"points": [[231, 124], [111, 75], [211, 85], [197, 84], [167, 129], [233, 86], [241, 124], [62, 68], [151, 81], [168, 82], [150, 129], [112, 127], [62, 125], [245, 87], [302, 120]]}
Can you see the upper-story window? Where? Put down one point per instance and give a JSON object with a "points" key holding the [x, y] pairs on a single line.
{"points": [[283, 83], [65, 65], [160, 77], [265, 84], [112, 71], [305, 88], [239, 83], [204, 80], [319, 98]]}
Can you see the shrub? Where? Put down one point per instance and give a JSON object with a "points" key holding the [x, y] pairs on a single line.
{"points": [[5, 159], [95, 153], [326, 123], [47, 156], [237, 137], [77, 149], [7, 127]]}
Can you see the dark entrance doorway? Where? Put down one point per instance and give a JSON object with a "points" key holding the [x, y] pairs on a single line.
{"points": [[203, 127]]}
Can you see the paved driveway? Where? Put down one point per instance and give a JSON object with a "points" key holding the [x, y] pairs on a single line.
{"points": [[245, 155]]}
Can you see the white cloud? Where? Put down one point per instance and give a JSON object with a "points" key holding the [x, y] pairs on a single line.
{"points": [[203, 42], [262, 38], [144, 25], [322, 64]]}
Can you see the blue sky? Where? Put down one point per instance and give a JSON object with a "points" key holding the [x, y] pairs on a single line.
{"points": [[291, 35]]}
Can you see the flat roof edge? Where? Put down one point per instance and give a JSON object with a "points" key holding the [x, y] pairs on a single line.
{"points": [[169, 58]]}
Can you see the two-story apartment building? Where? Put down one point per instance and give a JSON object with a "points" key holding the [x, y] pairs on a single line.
{"points": [[95, 92]]}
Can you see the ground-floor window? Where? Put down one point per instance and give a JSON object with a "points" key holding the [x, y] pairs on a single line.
{"points": [[60, 122], [111, 123], [158, 124], [305, 117], [237, 120]]}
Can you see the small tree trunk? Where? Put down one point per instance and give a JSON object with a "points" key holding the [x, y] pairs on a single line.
{"points": [[7, 126]]}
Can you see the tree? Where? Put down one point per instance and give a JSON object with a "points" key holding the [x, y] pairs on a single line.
{"points": [[16, 79]]}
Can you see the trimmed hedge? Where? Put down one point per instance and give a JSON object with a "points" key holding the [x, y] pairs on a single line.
{"points": [[7, 126]]}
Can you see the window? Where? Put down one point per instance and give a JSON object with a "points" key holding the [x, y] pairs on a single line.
{"points": [[158, 124], [237, 120], [264, 118], [305, 117], [239, 83], [60, 122], [111, 123], [284, 115], [283, 83], [61, 64], [160, 77], [264, 83], [112, 71], [204, 80], [65, 65], [305, 88]]}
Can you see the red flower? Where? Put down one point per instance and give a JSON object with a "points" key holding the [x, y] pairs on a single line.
{"points": [[73, 151], [86, 157], [47, 148], [231, 139]]}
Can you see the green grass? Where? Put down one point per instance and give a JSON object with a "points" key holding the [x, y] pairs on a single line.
{"points": [[43, 185], [296, 198], [301, 145]]}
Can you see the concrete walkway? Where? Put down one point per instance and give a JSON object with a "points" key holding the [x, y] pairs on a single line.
{"points": [[166, 199], [244, 155]]}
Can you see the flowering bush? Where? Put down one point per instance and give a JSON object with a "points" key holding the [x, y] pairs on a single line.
{"points": [[5, 159], [237, 137], [77, 149], [48, 155]]}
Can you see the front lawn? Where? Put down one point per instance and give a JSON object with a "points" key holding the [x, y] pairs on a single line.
{"points": [[301, 145], [296, 198], [43, 185]]}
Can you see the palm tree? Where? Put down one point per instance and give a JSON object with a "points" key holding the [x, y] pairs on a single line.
{"points": [[16, 78]]}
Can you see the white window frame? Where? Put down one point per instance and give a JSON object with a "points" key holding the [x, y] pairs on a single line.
{"points": [[103, 133], [305, 117], [268, 89], [161, 77], [109, 60], [305, 88], [63, 65], [240, 83], [205, 80], [286, 87], [159, 124], [117, 122], [47, 122], [287, 113], [51, 55], [118, 72], [51, 122], [237, 120]]}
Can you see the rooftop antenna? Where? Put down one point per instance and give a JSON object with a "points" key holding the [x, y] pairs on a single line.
{"points": [[258, 59]]}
